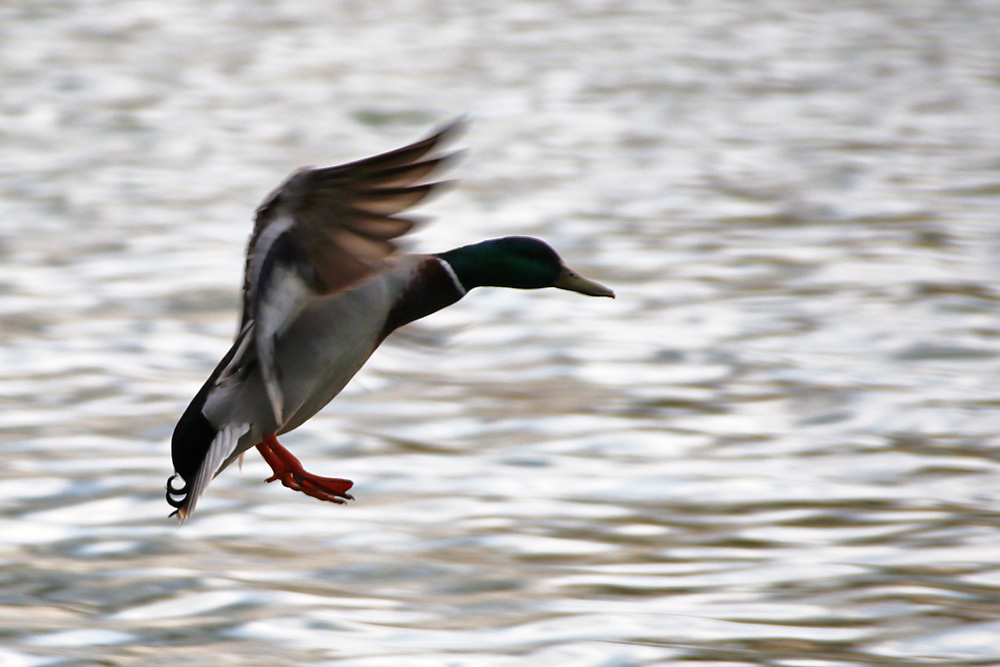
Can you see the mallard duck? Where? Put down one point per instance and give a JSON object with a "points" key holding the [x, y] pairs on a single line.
{"points": [[322, 289]]}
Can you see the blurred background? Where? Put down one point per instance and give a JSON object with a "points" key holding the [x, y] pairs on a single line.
{"points": [[778, 446]]}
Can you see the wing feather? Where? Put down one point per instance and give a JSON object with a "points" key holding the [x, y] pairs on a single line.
{"points": [[324, 230], [362, 196], [375, 226]]}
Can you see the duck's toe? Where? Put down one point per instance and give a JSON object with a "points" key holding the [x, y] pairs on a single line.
{"points": [[290, 472]]}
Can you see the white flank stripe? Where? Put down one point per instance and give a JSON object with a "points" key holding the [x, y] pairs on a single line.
{"points": [[221, 449]]}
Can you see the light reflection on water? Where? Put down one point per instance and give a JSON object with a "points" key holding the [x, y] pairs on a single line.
{"points": [[777, 446]]}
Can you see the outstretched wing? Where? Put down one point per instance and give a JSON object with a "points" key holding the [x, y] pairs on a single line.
{"points": [[324, 230]]}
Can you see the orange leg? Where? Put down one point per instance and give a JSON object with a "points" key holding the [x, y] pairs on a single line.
{"points": [[289, 470]]}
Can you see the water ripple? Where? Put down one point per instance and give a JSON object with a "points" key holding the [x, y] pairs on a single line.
{"points": [[776, 446]]}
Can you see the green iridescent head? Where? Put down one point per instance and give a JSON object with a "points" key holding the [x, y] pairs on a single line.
{"points": [[520, 262]]}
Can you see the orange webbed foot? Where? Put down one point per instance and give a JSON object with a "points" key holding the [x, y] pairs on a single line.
{"points": [[289, 470]]}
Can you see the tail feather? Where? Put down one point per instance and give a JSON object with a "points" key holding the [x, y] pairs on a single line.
{"points": [[196, 480]]}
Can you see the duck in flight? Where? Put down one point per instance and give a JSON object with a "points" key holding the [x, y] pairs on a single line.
{"points": [[323, 288]]}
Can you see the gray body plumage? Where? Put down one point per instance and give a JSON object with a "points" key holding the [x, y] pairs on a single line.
{"points": [[322, 289]]}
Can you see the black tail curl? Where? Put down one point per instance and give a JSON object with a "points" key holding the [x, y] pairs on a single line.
{"points": [[190, 443], [176, 497]]}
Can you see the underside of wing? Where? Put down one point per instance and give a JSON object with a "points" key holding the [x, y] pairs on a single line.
{"points": [[323, 231], [336, 223]]}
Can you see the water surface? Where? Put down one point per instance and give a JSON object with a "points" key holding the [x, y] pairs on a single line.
{"points": [[777, 446]]}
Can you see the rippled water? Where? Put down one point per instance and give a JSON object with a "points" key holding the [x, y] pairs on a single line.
{"points": [[777, 446]]}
